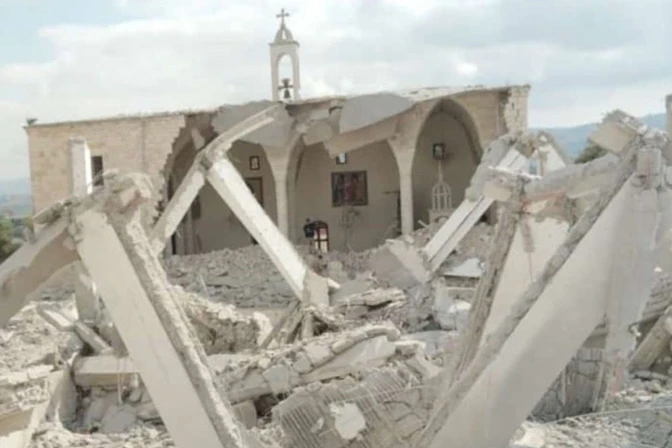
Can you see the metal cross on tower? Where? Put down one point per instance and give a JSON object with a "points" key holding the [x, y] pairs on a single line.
{"points": [[282, 16]]}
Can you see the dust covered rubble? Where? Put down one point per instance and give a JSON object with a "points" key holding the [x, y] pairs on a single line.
{"points": [[255, 383], [640, 415], [247, 278], [122, 414]]}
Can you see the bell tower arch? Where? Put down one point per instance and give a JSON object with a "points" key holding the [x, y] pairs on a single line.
{"points": [[282, 46]]}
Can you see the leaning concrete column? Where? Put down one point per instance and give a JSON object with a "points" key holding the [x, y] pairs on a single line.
{"points": [[33, 264], [150, 320], [228, 183], [547, 325]]}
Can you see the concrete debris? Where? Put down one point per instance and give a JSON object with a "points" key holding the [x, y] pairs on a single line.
{"points": [[320, 359], [471, 268], [386, 408], [221, 329], [452, 306], [362, 304], [427, 341]]}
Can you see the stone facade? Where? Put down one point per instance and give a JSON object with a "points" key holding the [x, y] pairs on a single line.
{"points": [[128, 144], [295, 177]]}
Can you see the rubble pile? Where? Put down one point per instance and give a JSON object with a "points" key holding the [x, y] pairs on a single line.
{"points": [[506, 315]]}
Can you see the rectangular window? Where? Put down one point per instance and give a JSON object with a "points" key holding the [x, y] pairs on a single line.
{"points": [[97, 170], [349, 188]]}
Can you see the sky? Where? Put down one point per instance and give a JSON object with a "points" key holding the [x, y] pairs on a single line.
{"points": [[75, 59]]}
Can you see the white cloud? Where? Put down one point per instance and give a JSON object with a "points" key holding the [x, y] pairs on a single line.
{"points": [[466, 68], [174, 54]]}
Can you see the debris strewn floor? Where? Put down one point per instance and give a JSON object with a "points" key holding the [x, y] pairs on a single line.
{"points": [[379, 362]]}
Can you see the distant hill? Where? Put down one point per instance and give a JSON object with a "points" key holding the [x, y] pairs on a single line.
{"points": [[16, 205], [574, 139], [15, 197], [15, 186]]}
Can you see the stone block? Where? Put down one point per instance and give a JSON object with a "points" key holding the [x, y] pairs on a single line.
{"points": [[399, 265], [366, 354], [279, 378], [450, 312], [246, 413], [318, 352]]}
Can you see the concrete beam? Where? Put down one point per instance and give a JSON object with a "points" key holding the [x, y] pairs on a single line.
{"points": [[178, 206], [32, 265], [615, 132], [195, 177], [464, 218], [157, 335], [524, 263], [229, 184], [547, 326], [574, 181]]}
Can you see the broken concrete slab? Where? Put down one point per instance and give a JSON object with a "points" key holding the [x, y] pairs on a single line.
{"points": [[615, 132], [58, 405], [55, 318], [89, 336], [400, 265], [157, 328], [471, 268], [384, 409], [32, 265], [359, 304], [434, 342], [104, 371], [541, 320]]}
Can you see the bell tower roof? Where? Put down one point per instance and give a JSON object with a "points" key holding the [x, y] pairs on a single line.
{"points": [[283, 35]]}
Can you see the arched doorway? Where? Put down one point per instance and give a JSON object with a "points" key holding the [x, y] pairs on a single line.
{"points": [[210, 224], [450, 128], [355, 195]]}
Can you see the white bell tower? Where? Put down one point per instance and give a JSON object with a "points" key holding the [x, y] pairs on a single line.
{"points": [[285, 45]]}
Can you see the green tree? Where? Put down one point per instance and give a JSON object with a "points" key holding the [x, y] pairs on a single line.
{"points": [[590, 153], [7, 244]]}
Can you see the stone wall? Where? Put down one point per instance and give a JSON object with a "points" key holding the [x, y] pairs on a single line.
{"points": [[313, 196], [128, 144], [144, 143], [496, 112]]}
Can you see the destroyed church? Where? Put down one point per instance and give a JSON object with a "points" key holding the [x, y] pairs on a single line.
{"points": [[366, 167], [392, 270]]}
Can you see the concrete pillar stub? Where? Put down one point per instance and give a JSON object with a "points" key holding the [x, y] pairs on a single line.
{"points": [[181, 389], [81, 176]]}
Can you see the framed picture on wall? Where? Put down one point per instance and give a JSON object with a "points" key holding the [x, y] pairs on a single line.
{"points": [[254, 163], [439, 151], [349, 188]]}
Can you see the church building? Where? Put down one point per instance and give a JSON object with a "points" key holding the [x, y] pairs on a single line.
{"points": [[361, 169]]}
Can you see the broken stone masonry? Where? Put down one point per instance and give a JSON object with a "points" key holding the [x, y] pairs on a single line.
{"points": [[540, 298]]}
